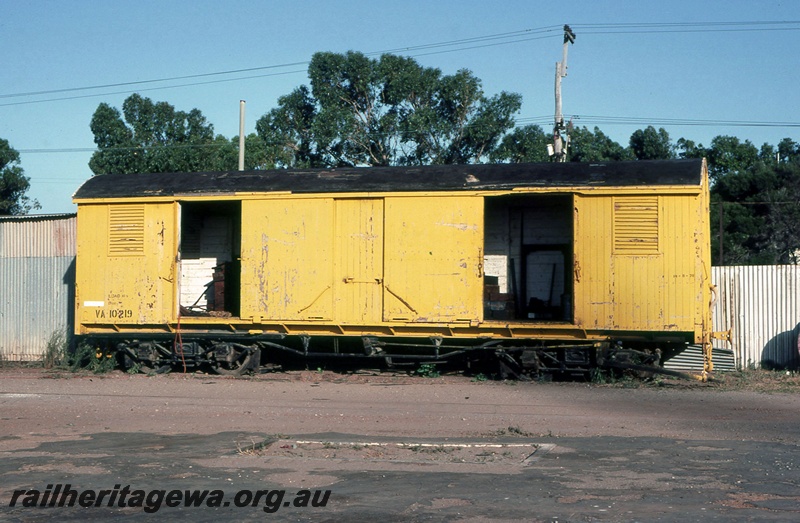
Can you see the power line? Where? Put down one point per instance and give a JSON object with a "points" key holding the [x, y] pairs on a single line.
{"points": [[141, 82], [628, 120], [655, 25], [464, 41], [554, 29], [193, 84], [482, 46], [126, 148], [464, 44], [664, 122], [520, 122], [643, 31]]}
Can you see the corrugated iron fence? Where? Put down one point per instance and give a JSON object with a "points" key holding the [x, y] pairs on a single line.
{"points": [[37, 279], [761, 306]]}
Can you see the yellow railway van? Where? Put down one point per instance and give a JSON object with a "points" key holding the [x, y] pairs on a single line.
{"points": [[553, 267]]}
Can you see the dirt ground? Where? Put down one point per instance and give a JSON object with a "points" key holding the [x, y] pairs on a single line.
{"points": [[395, 447]]}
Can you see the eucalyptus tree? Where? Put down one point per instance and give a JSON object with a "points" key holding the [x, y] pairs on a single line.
{"points": [[152, 137], [13, 183], [361, 111], [595, 146], [652, 144]]}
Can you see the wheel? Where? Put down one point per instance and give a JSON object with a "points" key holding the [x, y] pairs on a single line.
{"points": [[132, 366], [236, 362], [149, 368]]}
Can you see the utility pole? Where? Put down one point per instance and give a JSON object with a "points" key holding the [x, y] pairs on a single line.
{"points": [[559, 149], [241, 135]]}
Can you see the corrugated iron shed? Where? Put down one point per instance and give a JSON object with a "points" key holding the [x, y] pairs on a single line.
{"points": [[692, 359], [37, 271], [761, 306]]}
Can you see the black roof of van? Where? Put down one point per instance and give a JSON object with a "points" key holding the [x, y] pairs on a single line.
{"points": [[398, 179]]}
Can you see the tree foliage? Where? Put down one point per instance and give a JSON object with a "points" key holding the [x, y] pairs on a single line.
{"points": [[595, 146], [523, 145], [13, 183], [529, 144], [729, 156], [153, 137], [649, 144], [390, 111], [755, 200]]}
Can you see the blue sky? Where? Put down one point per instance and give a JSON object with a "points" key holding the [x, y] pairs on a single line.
{"points": [[718, 71]]}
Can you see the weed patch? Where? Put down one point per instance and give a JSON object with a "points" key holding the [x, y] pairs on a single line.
{"points": [[87, 357], [427, 370], [56, 351]]}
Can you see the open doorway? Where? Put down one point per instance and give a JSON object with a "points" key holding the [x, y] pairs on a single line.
{"points": [[210, 252], [528, 258]]}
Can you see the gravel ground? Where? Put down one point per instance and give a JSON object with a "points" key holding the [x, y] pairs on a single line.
{"points": [[471, 450]]}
